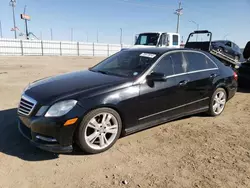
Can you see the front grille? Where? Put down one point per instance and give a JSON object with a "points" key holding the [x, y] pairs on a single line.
{"points": [[26, 105]]}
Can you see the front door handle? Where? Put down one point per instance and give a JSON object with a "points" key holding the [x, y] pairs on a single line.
{"points": [[183, 83]]}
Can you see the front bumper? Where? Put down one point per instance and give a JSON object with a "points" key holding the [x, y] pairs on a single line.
{"points": [[51, 147]]}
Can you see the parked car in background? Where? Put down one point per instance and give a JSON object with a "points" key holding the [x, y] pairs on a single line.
{"points": [[129, 91], [227, 47]]}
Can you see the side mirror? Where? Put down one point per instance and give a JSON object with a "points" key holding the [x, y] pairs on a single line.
{"points": [[136, 37], [156, 76]]}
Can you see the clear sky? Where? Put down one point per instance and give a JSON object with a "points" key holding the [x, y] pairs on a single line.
{"points": [[228, 19]]}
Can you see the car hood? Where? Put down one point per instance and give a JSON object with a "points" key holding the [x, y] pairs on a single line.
{"points": [[143, 46], [69, 85]]}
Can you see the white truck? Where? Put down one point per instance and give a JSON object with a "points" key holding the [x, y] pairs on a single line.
{"points": [[157, 39]]}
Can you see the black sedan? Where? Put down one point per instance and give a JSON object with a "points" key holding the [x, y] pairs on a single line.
{"points": [[132, 90], [227, 47]]}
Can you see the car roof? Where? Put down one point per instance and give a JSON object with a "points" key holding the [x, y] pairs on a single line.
{"points": [[160, 51], [221, 41]]}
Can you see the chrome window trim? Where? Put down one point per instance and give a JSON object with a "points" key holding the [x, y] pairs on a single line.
{"points": [[27, 98], [157, 113], [142, 78], [191, 72]]}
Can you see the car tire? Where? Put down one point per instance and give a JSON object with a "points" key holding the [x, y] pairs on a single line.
{"points": [[94, 135], [217, 102]]}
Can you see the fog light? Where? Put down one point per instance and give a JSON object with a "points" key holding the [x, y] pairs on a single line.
{"points": [[70, 121]]}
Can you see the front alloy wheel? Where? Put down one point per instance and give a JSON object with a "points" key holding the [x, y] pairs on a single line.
{"points": [[218, 102], [99, 130]]}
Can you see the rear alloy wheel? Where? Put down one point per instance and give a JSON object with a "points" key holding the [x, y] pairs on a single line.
{"points": [[99, 130], [220, 49], [218, 102]]}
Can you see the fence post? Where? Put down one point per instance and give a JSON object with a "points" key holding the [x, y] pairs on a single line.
{"points": [[78, 51], [93, 49], [60, 48], [21, 42], [42, 47]]}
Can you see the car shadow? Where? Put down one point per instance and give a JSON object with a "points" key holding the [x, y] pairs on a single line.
{"points": [[14, 144]]}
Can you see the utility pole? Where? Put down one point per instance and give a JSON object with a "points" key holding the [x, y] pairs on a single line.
{"points": [[71, 34], [51, 34], [13, 5], [121, 36], [178, 12], [225, 36], [26, 24], [41, 35], [1, 31], [197, 27]]}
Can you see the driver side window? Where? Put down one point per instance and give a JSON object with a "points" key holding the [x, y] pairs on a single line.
{"points": [[165, 66], [229, 44]]}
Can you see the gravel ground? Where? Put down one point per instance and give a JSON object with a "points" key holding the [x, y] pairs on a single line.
{"points": [[196, 151]]}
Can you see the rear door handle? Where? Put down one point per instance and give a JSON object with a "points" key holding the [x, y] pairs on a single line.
{"points": [[213, 75], [183, 83]]}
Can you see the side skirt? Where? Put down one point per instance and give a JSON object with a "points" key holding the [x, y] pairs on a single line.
{"points": [[151, 124]]}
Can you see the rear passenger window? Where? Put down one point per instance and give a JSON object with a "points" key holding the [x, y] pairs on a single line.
{"points": [[175, 39], [165, 66], [210, 64], [180, 66], [198, 61]]}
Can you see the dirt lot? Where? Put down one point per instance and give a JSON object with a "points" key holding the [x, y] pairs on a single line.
{"points": [[197, 151]]}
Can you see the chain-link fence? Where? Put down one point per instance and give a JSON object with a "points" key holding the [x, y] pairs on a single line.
{"points": [[56, 48]]}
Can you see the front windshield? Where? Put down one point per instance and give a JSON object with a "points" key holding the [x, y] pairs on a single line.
{"points": [[147, 39], [126, 64]]}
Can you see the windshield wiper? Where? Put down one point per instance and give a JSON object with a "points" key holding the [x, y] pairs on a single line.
{"points": [[103, 72], [100, 71], [108, 73]]}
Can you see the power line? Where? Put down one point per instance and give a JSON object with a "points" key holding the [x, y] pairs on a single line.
{"points": [[143, 4]]}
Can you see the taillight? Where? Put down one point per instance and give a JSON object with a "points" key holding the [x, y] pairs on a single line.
{"points": [[235, 76]]}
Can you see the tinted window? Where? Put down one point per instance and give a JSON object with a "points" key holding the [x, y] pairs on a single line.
{"points": [[198, 61], [126, 63], [175, 39], [147, 39], [165, 66], [163, 39], [179, 64], [228, 43], [237, 48]]}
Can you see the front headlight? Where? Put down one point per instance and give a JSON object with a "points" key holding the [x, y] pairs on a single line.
{"points": [[60, 108]]}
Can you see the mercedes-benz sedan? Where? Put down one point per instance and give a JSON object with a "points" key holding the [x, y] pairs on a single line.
{"points": [[129, 91]]}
